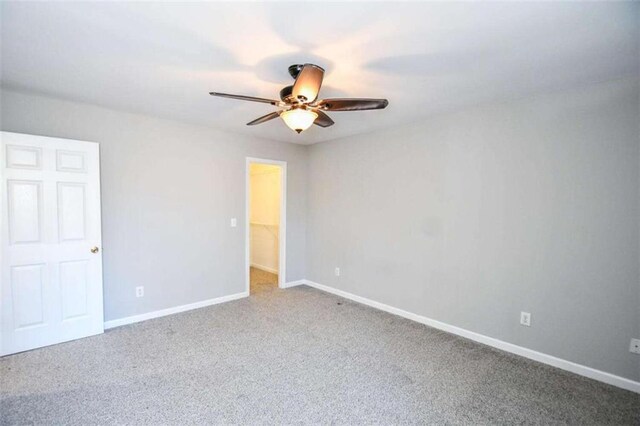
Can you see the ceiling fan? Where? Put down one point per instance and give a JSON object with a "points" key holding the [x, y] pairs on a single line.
{"points": [[299, 102]]}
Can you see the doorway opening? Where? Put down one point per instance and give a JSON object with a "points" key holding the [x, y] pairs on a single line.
{"points": [[265, 225]]}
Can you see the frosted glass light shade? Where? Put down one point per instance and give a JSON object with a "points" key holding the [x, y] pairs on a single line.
{"points": [[299, 119]]}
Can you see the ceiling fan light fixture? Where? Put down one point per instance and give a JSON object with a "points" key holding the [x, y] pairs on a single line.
{"points": [[299, 119], [299, 105]]}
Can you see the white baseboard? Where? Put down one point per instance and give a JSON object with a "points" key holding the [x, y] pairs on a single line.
{"points": [[171, 311], [563, 364], [264, 268], [294, 283]]}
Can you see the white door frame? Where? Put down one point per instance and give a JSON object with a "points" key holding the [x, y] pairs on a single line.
{"points": [[282, 229]]}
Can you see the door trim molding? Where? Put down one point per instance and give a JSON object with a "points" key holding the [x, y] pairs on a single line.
{"points": [[282, 229], [563, 364]]}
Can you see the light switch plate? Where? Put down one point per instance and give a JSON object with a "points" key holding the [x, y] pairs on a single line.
{"points": [[234, 222]]}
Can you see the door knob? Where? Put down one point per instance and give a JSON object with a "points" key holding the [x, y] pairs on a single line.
{"points": [[94, 250]]}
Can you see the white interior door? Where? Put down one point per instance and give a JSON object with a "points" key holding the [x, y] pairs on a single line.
{"points": [[51, 288]]}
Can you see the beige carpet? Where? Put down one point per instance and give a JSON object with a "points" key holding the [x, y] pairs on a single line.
{"points": [[262, 281]]}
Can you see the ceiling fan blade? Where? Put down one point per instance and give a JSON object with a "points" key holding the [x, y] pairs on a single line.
{"points": [[323, 120], [308, 82], [264, 118], [352, 104], [245, 98]]}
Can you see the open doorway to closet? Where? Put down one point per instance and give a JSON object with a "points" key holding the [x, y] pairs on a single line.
{"points": [[265, 224]]}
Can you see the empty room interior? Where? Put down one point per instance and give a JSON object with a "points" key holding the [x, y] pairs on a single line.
{"points": [[320, 213]]}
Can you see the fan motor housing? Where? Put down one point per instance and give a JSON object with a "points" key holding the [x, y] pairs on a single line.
{"points": [[285, 94], [295, 69]]}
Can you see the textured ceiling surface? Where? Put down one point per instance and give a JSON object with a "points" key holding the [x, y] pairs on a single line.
{"points": [[163, 58]]}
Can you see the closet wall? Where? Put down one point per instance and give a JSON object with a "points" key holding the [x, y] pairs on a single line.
{"points": [[265, 216]]}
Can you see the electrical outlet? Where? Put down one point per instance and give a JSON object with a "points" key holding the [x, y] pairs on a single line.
{"points": [[337, 272], [234, 222], [140, 291], [634, 346], [525, 319]]}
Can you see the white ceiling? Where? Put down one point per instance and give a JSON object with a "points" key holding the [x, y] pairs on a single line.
{"points": [[163, 58]]}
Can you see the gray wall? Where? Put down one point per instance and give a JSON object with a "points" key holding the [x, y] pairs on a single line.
{"points": [[471, 217], [168, 193]]}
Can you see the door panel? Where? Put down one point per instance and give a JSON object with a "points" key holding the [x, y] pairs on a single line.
{"points": [[70, 161], [73, 286], [24, 157], [25, 211], [51, 289], [27, 283], [71, 211]]}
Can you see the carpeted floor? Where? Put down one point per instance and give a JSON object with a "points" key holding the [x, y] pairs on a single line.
{"points": [[261, 281], [294, 356]]}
